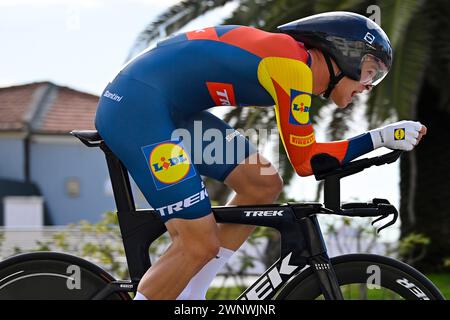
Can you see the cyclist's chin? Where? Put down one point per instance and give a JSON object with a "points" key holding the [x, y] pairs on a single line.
{"points": [[342, 102]]}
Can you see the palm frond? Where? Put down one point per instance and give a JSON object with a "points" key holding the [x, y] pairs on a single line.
{"points": [[280, 12], [400, 88], [396, 17], [346, 5], [339, 123], [172, 20], [251, 13], [439, 70]]}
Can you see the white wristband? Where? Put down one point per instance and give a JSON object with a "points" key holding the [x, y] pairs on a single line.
{"points": [[377, 138]]}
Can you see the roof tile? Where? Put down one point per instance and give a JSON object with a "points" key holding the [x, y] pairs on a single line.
{"points": [[71, 109], [14, 103]]}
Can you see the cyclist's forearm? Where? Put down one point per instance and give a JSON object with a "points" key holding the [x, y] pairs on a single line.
{"points": [[358, 146], [344, 151], [350, 149]]}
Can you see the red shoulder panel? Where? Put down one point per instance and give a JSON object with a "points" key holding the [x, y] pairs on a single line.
{"points": [[265, 44], [203, 34]]}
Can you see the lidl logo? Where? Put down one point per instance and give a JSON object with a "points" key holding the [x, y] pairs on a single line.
{"points": [[169, 163], [399, 134], [300, 105]]}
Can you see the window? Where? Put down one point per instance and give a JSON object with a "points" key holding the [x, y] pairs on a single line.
{"points": [[73, 187]]}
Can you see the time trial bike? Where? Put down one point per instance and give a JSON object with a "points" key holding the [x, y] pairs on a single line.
{"points": [[303, 271]]}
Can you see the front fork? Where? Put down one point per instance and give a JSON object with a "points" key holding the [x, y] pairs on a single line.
{"points": [[319, 260], [326, 276]]}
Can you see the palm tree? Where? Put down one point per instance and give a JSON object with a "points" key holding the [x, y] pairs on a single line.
{"points": [[420, 34]]}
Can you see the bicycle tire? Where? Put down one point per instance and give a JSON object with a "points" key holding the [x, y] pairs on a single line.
{"points": [[396, 276], [45, 276]]}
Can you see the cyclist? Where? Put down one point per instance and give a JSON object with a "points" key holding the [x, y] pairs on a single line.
{"points": [[169, 87]]}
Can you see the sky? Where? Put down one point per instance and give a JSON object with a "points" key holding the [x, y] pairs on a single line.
{"points": [[76, 43], [82, 44]]}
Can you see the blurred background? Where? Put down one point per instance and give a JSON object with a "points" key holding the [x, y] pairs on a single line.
{"points": [[58, 55]]}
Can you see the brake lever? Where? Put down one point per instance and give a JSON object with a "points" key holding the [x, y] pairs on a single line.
{"points": [[390, 223]]}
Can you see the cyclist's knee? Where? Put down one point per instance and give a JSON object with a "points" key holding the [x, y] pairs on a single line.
{"points": [[200, 249], [198, 238], [273, 185], [207, 250], [257, 180], [265, 188]]}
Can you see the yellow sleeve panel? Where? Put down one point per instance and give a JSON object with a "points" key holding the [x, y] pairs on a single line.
{"points": [[289, 82]]}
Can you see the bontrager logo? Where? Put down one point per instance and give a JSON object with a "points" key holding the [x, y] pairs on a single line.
{"points": [[268, 213], [271, 281], [413, 288], [112, 96], [185, 203]]}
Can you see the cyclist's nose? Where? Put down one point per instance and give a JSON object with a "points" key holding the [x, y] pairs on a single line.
{"points": [[368, 87]]}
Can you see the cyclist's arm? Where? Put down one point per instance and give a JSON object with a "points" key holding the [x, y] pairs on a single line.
{"points": [[289, 82]]}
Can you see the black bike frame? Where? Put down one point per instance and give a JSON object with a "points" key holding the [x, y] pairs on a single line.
{"points": [[301, 238], [302, 243]]}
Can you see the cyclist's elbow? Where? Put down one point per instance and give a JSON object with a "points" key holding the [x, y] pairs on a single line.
{"points": [[303, 170]]}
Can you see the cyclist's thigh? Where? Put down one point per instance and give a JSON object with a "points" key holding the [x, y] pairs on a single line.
{"points": [[216, 147], [138, 128]]}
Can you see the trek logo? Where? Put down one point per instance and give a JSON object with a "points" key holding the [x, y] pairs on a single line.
{"points": [[267, 213], [300, 105], [112, 96], [169, 163], [221, 93], [399, 134], [270, 281], [182, 204]]}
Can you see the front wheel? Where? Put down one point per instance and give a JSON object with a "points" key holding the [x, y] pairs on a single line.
{"points": [[365, 276], [52, 276]]}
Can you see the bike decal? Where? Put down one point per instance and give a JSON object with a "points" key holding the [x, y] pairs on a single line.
{"points": [[413, 288], [270, 281], [266, 213], [11, 275], [322, 266]]}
